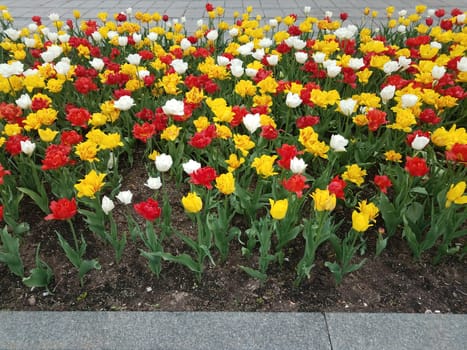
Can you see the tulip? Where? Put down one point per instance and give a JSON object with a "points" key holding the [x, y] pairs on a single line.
{"points": [[163, 162], [297, 165], [154, 183], [192, 203], [323, 200], [456, 194], [125, 197], [124, 103], [360, 221], [338, 143], [107, 205], [293, 100], [252, 122], [278, 208]]}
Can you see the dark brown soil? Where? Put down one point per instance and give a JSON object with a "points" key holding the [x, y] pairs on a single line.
{"points": [[393, 282]]}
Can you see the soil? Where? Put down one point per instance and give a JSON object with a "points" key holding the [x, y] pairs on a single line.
{"points": [[392, 282]]}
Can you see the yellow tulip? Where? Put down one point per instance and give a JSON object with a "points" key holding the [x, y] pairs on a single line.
{"points": [[91, 183], [225, 183], [278, 208], [360, 221], [456, 194], [192, 203], [324, 200]]}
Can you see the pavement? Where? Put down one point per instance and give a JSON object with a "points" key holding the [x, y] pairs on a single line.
{"points": [[225, 330]]}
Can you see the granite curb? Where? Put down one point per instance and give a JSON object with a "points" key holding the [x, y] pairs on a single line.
{"points": [[231, 330]]}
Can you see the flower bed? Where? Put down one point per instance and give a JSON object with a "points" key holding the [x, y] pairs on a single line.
{"points": [[317, 132]]}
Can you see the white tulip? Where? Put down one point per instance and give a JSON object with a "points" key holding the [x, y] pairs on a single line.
{"points": [[356, 63], [258, 54], [301, 57], [347, 106], [153, 36], [408, 100], [237, 71], [251, 72], [387, 93], [124, 103], [273, 60], [404, 62], [438, 72], [134, 58], [154, 183], [212, 35], [125, 197], [179, 66], [419, 142], [233, 32], [246, 49], [174, 107], [137, 37], [319, 57], [24, 101], [9, 69], [163, 162], [333, 71], [96, 36], [462, 64], [252, 122], [185, 44], [107, 205], [265, 43], [97, 63], [338, 143], [63, 67], [297, 165], [191, 166], [293, 100], [64, 38], [391, 67], [122, 41], [12, 34], [222, 61], [54, 17], [28, 147]]}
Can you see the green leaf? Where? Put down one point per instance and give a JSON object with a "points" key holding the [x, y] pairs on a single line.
{"points": [[71, 254], [411, 238], [414, 212], [419, 190], [9, 253], [254, 273], [86, 266], [41, 275], [42, 202], [183, 259], [381, 244], [390, 215]]}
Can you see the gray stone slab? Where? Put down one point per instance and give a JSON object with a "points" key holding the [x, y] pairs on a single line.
{"points": [[162, 330], [350, 331]]}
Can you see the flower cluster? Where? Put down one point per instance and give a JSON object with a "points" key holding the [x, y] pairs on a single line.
{"points": [[298, 115]]}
